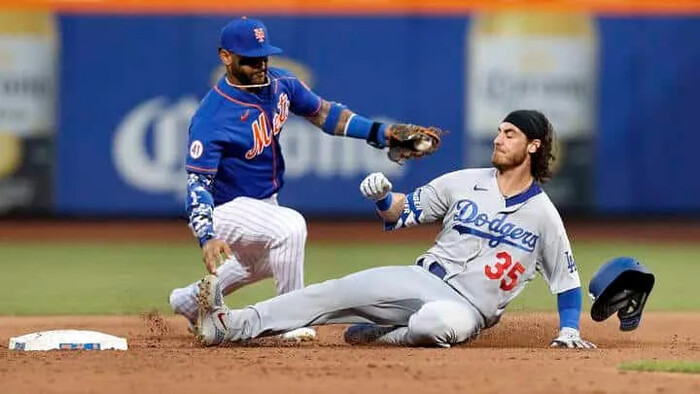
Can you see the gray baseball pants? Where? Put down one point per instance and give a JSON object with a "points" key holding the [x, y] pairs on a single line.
{"points": [[425, 310]]}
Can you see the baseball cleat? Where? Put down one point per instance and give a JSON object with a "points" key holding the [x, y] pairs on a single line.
{"points": [[373, 334], [212, 316], [209, 295], [303, 334], [213, 326]]}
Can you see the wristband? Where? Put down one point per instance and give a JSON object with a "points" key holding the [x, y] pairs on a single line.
{"points": [[366, 129], [385, 203], [205, 238], [332, 118]]}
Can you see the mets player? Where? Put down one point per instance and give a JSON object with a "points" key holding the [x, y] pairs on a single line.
{"points": [[235, 168], [499, 229]]}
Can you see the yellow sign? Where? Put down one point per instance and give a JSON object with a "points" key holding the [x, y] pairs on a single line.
{"points": [[10, 154]]}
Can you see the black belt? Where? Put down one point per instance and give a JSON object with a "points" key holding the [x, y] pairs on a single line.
{"points": [[434, 268]]}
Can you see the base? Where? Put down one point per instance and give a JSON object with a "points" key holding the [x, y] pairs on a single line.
{"points": [[67, 340]]}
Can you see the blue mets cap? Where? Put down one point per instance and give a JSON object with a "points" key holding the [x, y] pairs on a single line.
{"points": [[247, 37]]}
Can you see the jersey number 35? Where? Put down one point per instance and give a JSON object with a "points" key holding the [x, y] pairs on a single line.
{"points": [[498, 271]]}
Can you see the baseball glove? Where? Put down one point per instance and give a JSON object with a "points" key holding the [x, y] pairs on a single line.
{"points": [[408, 141]]}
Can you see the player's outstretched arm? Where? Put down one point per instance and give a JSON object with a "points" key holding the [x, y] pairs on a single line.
{"points": [[405, 141], [200, 208], [569, 307]]}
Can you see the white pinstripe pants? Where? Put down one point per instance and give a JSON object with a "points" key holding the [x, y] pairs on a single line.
{"points": [[267, 240]]}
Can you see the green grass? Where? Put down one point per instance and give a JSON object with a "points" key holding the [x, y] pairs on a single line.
{"points": [[129, 278], [662, 366]]}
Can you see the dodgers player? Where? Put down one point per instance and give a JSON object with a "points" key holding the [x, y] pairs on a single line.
{"points": [[235, 168], [499, 229]]}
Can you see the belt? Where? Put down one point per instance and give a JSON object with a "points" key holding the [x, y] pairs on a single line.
{"points": [[434, 268]]}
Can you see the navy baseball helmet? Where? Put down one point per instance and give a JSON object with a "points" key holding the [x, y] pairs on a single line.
{"points": [[621, 285], [247, 37]]}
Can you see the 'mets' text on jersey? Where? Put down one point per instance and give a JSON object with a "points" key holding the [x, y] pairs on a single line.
{"points": [[234, 135], [491, 246]]}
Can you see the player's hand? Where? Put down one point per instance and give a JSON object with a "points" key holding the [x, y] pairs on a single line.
{"points": [[570, 338], [215, 253], [375, 186]]}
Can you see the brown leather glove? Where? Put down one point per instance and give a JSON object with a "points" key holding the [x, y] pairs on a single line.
{"points": [[408, 141]]}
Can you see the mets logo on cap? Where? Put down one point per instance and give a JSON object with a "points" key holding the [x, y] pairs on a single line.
{"points": [[259, 34], [247, 37]]}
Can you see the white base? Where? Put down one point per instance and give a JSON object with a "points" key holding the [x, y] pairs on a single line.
{"points": [[67, 340]]}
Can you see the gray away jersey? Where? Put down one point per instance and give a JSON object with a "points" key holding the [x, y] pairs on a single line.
{"points": [[491, 246]]}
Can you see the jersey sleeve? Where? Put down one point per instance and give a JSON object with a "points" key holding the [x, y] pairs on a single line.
{"points": [[556, 262], [436, 198], [205, 147], [424, 205], [304, 101]]}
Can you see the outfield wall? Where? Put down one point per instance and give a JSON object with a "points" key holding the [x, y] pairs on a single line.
{"points": [[619, 81]]}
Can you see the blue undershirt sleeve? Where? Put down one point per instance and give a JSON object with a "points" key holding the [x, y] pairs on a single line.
{"points": [[569, 306]]}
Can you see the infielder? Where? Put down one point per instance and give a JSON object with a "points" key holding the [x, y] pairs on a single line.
{"points": [[499, 228], [235, 167]]}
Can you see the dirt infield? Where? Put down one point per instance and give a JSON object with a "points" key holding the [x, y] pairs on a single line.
{"points": [[510, 358]]}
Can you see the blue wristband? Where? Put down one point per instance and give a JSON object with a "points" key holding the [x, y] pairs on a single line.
{"points": [[205, 238], [366, 129], [384, 203], [379, 140], [332, 119]]}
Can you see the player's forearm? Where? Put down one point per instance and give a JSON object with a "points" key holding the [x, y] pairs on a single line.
{"points": [[322, 116], [335, 119], [200, 206], [405, 211], [393, 213], [569, 307]]}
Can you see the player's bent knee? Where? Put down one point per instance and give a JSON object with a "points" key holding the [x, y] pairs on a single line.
{"points": [[295, 226], [443, 323], [298, 225]]}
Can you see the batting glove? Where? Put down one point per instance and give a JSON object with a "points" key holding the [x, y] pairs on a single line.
{"points": [[571, 338], [375, 186]]}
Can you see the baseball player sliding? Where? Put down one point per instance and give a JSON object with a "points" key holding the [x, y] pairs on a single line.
{"points": [[499, 228], [235, 167]]}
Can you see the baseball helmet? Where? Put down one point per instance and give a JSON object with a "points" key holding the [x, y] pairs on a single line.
{"points": [[621, 285]]}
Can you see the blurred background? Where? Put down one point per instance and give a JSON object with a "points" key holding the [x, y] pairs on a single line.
{"points": [[96, 97]]}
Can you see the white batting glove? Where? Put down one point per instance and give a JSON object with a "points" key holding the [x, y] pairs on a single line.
{"points": [[375, 186], [570, 338]]}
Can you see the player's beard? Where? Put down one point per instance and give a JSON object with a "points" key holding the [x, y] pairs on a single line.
{"points": [[503, 161], [240, 76], [246, 80]]}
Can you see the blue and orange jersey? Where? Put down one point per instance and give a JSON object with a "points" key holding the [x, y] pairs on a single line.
{"points": [[234, 135]]}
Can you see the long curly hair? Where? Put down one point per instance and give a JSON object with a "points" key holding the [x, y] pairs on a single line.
{"points": [[541, 161]]}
